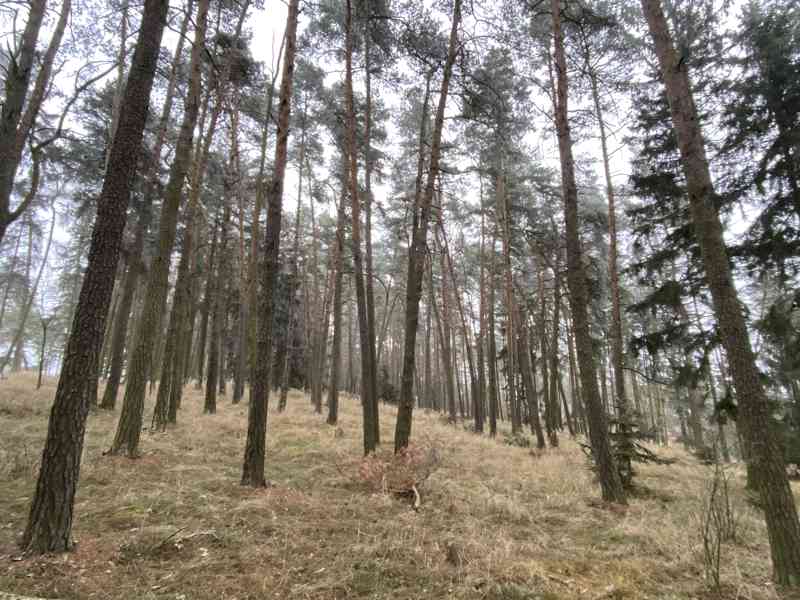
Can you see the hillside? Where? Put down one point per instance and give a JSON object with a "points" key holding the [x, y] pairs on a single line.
{"points": [[495, 522]]}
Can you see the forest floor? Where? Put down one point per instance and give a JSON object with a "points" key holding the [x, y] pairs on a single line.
{"points": [[496, 521]]}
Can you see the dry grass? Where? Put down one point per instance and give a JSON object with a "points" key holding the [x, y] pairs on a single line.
{"points": [[497, 522]]}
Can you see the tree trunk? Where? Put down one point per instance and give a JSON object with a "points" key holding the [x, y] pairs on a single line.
{"points": [[45, 323], [610, 481], [368, 401], [135, 264], [215, 350], [19, 336], [418, 250], [11, 269], [755, 416], [142, 357], [205, 312], [13, 134], [368, 287], [253, 467], [336, 352], [492, 359], [50, 520]]}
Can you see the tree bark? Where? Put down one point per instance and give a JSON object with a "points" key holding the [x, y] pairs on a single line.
{"points": [[417, 251], [755, 416], [14, 124], [368, 402], [136, 266], [369, 289], [610, 481], [142, 358], [253, 467], [49, 526], [214, 347], [336, 352]]}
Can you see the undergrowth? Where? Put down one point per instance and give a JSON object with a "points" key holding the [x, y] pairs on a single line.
{"points": [[493, 522]]}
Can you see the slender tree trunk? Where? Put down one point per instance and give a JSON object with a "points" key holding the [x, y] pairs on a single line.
{"points": [[11, 269], [428, 384], [19, 336], [336, 352], [480, 407], [368, 402], [555, 374], [445, 337], [49, 527], [258, 209], [142, 358], [759, 432], [45, 323], [215, 351], [253, 467], [13, 132], [492, 359], [417, 251], [512, 325], [610, 481], [294, 286], [206, 309], [368, 287], [473, 380]]}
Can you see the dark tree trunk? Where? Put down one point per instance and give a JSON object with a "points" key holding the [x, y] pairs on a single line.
{"points": [[336, 352], [418, 250], [45, 323], [50, 520], [368, 402], [17, 83], [610, 481], [492, 346], [368, 288], [135, 264], [215, 350], [142, 358], [253, 467], [766, 459]]}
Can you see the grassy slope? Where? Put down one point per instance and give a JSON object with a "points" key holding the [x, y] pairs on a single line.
{"points": [[496, 521]]}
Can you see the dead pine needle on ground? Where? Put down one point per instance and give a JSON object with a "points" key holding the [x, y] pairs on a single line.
{"points": [[494, 521]]}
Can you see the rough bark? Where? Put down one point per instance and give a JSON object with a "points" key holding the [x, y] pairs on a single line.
{"points": [[253, 467], [417, 251], [217, 316], [766, 459], [610, 481], [15, 124], [368, 284], [336, 352], [367, 346], [142, 358], [135, 264], [49, 526]]}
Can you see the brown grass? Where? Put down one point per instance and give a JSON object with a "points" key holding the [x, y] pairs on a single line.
{"points": [[497, 522]]}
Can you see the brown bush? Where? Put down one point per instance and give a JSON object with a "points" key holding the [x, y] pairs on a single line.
{"points": [[401, 474]]}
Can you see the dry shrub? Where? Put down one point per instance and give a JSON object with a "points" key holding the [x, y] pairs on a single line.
{"points": [[718, 522], [402, 473]]}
